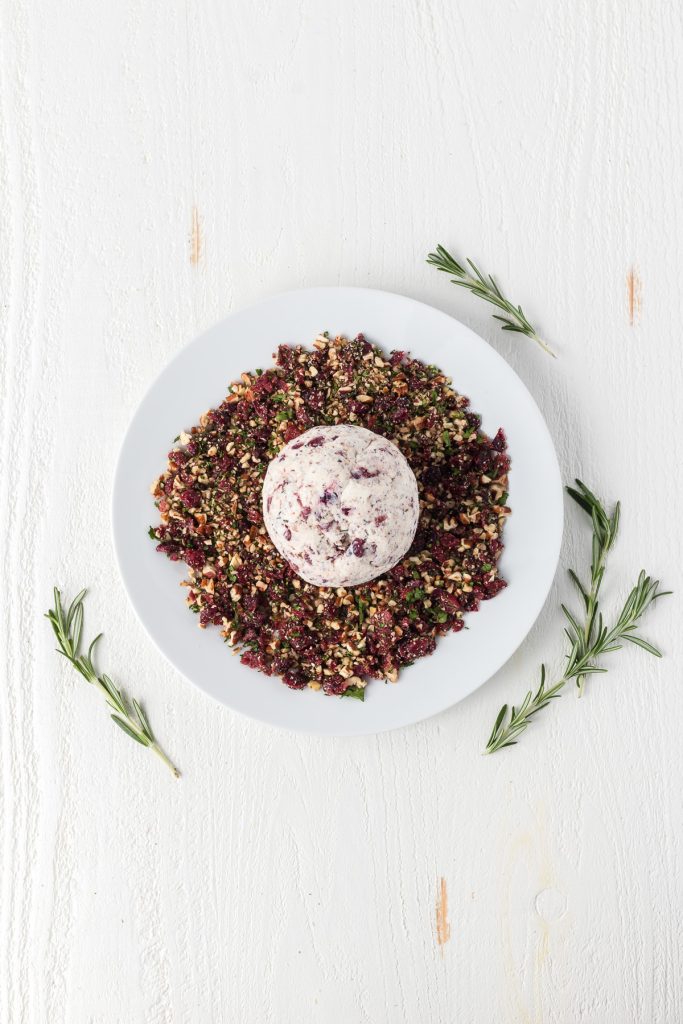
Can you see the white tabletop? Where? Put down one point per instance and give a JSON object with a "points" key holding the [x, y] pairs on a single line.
{"points": [[164, 164]]}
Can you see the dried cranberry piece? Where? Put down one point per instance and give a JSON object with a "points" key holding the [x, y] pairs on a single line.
{"points": [[253, 660], [449, 602], [263, 385], [416, 647], [170, 549], [191, 498], [291, 431], [294, 680], [334, 685], [194, 558], [499, 442], [281, 665], [210, 617], [178, 457], [493, 587], [286, 356], [358, 547]]}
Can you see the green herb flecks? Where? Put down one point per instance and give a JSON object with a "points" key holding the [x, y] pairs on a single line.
{"points": [[357, 692]]}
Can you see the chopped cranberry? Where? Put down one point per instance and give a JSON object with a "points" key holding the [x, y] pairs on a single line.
{"points": [[253, 660], [499, 442], [291, 431], [358, 547], [493, 588], [449, 602], [195, 559], [191, 498], [334, 685], [417, 647]]}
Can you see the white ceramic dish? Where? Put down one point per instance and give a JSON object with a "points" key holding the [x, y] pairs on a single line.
{"points": [[197, 379]]}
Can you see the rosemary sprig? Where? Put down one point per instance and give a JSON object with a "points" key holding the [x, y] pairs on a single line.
{"points": [[68, 626], [592, 639], [486, 288]]}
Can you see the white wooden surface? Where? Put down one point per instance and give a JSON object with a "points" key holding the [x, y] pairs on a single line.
{"points": [[163, 164]]}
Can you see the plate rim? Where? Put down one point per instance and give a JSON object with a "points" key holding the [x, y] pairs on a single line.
{"points": [[339, 290]]}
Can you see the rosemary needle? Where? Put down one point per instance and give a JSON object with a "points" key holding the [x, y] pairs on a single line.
{"points": [[590, 639], [486, 288], [68, 625]]}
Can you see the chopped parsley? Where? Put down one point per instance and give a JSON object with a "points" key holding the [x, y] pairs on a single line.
{"points": [[357, 692]]}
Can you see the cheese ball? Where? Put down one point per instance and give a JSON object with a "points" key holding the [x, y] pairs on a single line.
{"points": [[340, 503]]}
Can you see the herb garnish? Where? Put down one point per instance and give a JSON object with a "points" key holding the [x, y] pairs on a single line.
{"points": [[67, 626], [487, 289], [591, 638], [357, 692]]}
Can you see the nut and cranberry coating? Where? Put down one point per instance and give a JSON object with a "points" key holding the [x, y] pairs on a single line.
{"points": [[209, 500]]}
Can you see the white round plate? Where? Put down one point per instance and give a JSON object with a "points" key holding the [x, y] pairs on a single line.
{"points": [[197, 380]]}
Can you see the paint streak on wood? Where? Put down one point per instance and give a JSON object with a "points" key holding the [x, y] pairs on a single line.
{"points": [[634, 293], [443, 928], [195, 238]]}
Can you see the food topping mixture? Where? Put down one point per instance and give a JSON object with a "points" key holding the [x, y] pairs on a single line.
{"points": [[335, 636]]}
